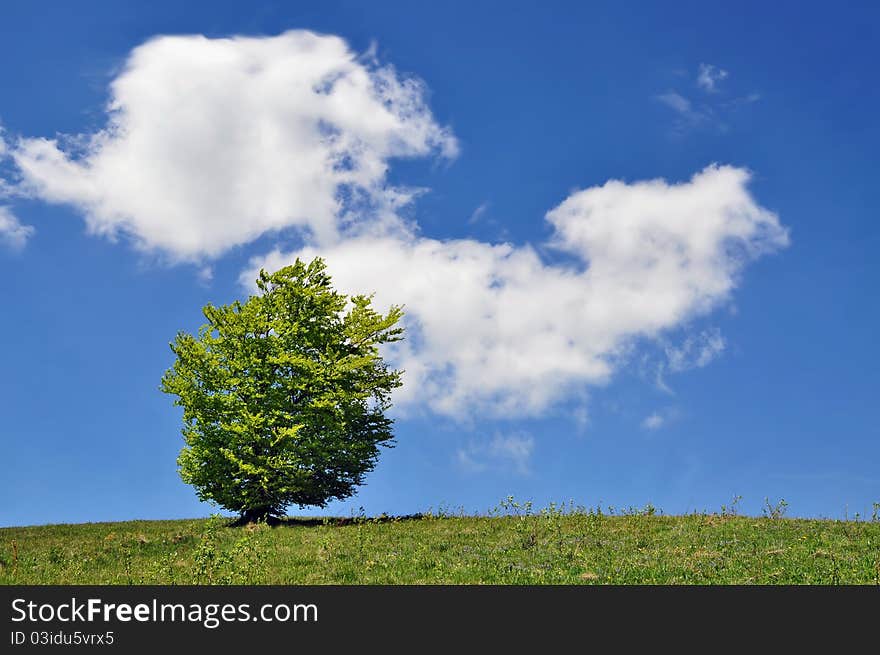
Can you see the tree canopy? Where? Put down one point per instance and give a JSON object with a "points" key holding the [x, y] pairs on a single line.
{"points": [[284, 396]]}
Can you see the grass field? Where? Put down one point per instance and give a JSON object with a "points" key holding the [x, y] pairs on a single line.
{"points": [[514, 545]]}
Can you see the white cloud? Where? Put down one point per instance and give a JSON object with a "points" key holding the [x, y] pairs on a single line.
{"points": [[205, 275], [581, 417], [708, 77], [6, 189], [677, 102], [736, 103], [512, 452], [661, 418], [712, 110], [478, 213], [468, 462], [12, 233], [688, 116], [211, 143], [496, 329], [696, 351]]}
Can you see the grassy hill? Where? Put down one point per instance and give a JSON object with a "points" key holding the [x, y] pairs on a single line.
{"points": [[516, 546]]}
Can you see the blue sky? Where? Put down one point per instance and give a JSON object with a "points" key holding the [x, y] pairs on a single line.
{"points": [[685, 309]]}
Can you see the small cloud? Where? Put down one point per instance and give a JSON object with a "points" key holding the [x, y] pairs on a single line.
{"points": [[505, 452], [478, 213], [6, 189], [659, 419], [709, 76], [12, 233], [467, 462], [653, 422], [581, 417], [206, 274], [742, 101], [676, 102], [697, 351], [712, 110], [515, 448], [690, 117], [660, 380]]}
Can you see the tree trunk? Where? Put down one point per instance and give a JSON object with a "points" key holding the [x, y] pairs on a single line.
{"points": [[257, 514]]}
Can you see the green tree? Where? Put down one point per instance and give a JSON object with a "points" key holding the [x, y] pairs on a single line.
{"points": [[284, 395]]}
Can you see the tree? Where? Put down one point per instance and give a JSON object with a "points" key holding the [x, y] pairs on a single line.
{"points": [[284, 396]]}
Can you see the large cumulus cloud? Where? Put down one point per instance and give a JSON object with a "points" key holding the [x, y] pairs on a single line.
{"points": [[495, 328], [211, 143]]}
